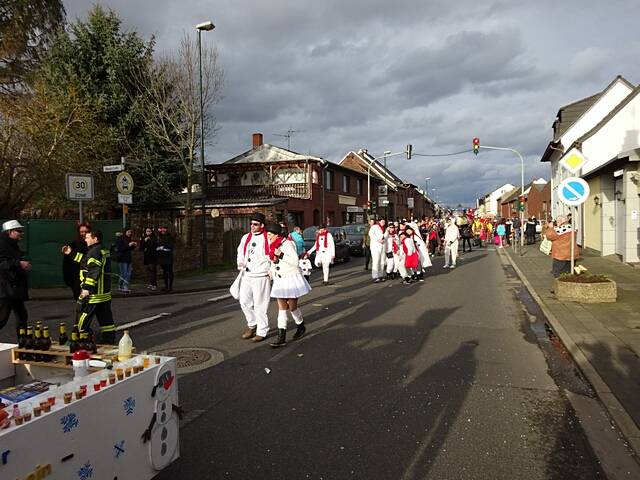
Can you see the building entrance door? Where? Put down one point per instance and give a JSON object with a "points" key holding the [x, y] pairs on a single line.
{"points": [[620, 211]]}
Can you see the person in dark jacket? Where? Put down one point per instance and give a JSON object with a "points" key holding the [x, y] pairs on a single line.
{"points": [[148, 245], [71, 264], [14, 289], [165, 257], [123, 247]]}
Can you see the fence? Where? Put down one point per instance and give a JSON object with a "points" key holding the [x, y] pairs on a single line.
{"points": [[43, 240]]}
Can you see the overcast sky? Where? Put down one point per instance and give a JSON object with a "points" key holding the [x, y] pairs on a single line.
{"points": [[379, 74]]}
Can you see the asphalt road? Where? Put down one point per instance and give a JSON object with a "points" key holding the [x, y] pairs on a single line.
{"points": [[441, 380]]}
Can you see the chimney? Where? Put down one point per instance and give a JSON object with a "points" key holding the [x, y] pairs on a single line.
{"points": [[257, 140]]}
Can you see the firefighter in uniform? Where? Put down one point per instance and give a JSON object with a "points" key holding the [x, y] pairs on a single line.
{"points": [[95, 284]]}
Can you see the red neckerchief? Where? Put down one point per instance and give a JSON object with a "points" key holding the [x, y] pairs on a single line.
{"points": [[394, 244], [266, 243], [324, 237], [274, 246], [404, 247]]}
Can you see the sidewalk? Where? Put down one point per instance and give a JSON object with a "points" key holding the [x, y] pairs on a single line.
{"points": [[604, 339], [190, 282]]}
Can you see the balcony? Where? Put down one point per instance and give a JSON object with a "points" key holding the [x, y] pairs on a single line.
{"points": [[257, 192]]}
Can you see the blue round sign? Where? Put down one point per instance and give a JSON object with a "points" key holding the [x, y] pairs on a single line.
{"points": [[573, 191]]}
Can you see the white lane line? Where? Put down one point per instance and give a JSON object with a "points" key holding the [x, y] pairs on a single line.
{"points": [[142, 321], [220, 298]]}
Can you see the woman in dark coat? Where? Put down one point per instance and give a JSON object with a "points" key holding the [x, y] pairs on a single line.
{"points": [[165, 257], [148, 245]]}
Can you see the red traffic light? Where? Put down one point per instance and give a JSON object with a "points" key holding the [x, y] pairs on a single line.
{"points": [[476, 142]]}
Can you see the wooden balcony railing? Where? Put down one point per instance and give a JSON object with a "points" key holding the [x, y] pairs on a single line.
{"points": [[255, 192]]}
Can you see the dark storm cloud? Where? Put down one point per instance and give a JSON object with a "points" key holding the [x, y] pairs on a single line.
{"points": [[375, 74]]}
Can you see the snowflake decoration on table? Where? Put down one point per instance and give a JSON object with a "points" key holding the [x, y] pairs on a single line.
{"points": [[119, 448], [86, 471], [69, 422], [129, 405]]}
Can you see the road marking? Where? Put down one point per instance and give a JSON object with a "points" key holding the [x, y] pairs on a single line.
{"points": [[142, 321], [220, 298]]}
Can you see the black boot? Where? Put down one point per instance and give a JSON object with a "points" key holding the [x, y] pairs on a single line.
{"points": [[108, 338], [300, 330], [282, 338]]}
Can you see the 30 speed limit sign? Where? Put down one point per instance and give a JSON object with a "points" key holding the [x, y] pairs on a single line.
{"points": [[79, 186]]}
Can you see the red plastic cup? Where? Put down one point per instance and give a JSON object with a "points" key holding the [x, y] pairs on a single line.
{"points": [[96, 387]]}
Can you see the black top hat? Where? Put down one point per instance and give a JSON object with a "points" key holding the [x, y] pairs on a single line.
{"points": [[273, 228], [258, 217]]}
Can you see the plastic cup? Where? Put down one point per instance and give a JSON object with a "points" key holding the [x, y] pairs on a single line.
{"points": [[146, 361], [26, 417], [52, 399], [37, 411], [104, 379], [19, 420], [112, 378], [127, 372], [120, 373], [79, 394], [46, 406], [68, 397], [157, 360]]}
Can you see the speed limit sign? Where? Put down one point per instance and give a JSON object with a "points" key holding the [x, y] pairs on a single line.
{"points": [[79, 186]]}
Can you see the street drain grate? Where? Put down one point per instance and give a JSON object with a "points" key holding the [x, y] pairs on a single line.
{"points": [[192, 360]]}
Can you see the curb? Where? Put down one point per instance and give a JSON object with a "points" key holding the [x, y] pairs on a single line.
{"points": [[136, 294], [613, 407]]}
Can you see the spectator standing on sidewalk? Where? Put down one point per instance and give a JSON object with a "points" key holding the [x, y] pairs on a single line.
{"points": [[13, 275], [530, 231], [71, 264], [298, 239], [560, 237], [366, 244], [124, 245], [148, 245], [501, 230], [165, 257]]}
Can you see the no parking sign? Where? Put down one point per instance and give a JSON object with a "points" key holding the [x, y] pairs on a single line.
{"points": [[573, 191]]}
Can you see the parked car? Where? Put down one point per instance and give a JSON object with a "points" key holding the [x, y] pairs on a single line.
{"points": [[339, 238], [355, 231]]}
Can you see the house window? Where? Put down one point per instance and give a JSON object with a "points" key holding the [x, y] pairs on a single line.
{"points": [[315, 177], [359, 186], [345, 184], [328, 180]]}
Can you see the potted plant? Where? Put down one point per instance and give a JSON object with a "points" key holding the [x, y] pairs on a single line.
{"points": [[585, 287]]}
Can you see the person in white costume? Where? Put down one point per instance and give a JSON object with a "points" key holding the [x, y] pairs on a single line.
{"points": [[451, 237], [376, 244], [288, 282], [392, 244], [409, 254], [325, 249], [424, 261], [255, 286]]}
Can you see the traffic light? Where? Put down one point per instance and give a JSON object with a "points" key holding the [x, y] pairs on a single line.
{"points": [[521, 199], [374, 205], [476, 145], [409, 151], [368, 206]]}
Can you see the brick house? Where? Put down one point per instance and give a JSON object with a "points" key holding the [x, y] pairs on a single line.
{"points": [[537, 200], [405, 200], [286, 186]]}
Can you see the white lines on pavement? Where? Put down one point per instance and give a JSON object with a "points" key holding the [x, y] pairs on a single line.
{"points": [[142, 321], [220, 298]]}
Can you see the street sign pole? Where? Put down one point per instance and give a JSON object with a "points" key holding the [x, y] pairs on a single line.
{"points": [[80, 211], [573, 238], [572, 192]]}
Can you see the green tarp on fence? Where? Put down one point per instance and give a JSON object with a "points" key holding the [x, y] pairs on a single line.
{"points": [[43, 240]]}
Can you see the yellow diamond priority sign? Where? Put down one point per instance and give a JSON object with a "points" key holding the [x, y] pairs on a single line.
{"points": [[573, 161]]}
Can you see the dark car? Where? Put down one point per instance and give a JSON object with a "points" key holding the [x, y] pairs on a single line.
{"points": [[355, 232], [339, 238]]}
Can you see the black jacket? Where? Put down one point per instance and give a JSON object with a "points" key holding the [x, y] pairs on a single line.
{"points": [[70, 267], [165, 250], [122, 249], [13, 279], [148, 248]]}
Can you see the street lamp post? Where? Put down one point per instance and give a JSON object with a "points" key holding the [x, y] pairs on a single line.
{"points": [[373, 159], [205, 26], [426, 186]]}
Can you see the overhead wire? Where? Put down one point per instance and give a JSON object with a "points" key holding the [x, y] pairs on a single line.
{"points": [[441, 154]]}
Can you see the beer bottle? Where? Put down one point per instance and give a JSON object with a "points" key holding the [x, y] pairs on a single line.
{"points": [[46, 344], [22, 338], [84, 343], [37, 343], [62, 337], [28, 343], [73, 344]]}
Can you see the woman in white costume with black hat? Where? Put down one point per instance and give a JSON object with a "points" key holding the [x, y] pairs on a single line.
{"points": [[288, 282]]}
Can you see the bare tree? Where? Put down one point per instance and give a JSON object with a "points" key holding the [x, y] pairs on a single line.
{"points": [[171, 97]]}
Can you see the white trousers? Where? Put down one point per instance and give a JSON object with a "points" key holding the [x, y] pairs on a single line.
{"points": [[404, 273], [254, 301], [451, 250], [323, 260], [378, 262]]}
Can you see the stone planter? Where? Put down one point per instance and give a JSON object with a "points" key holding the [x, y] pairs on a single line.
{"points": [[602, 292]]}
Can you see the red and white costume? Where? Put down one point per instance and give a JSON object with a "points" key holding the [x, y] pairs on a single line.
{"points": [[392, 252], [325, 249], [255, 285]]}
